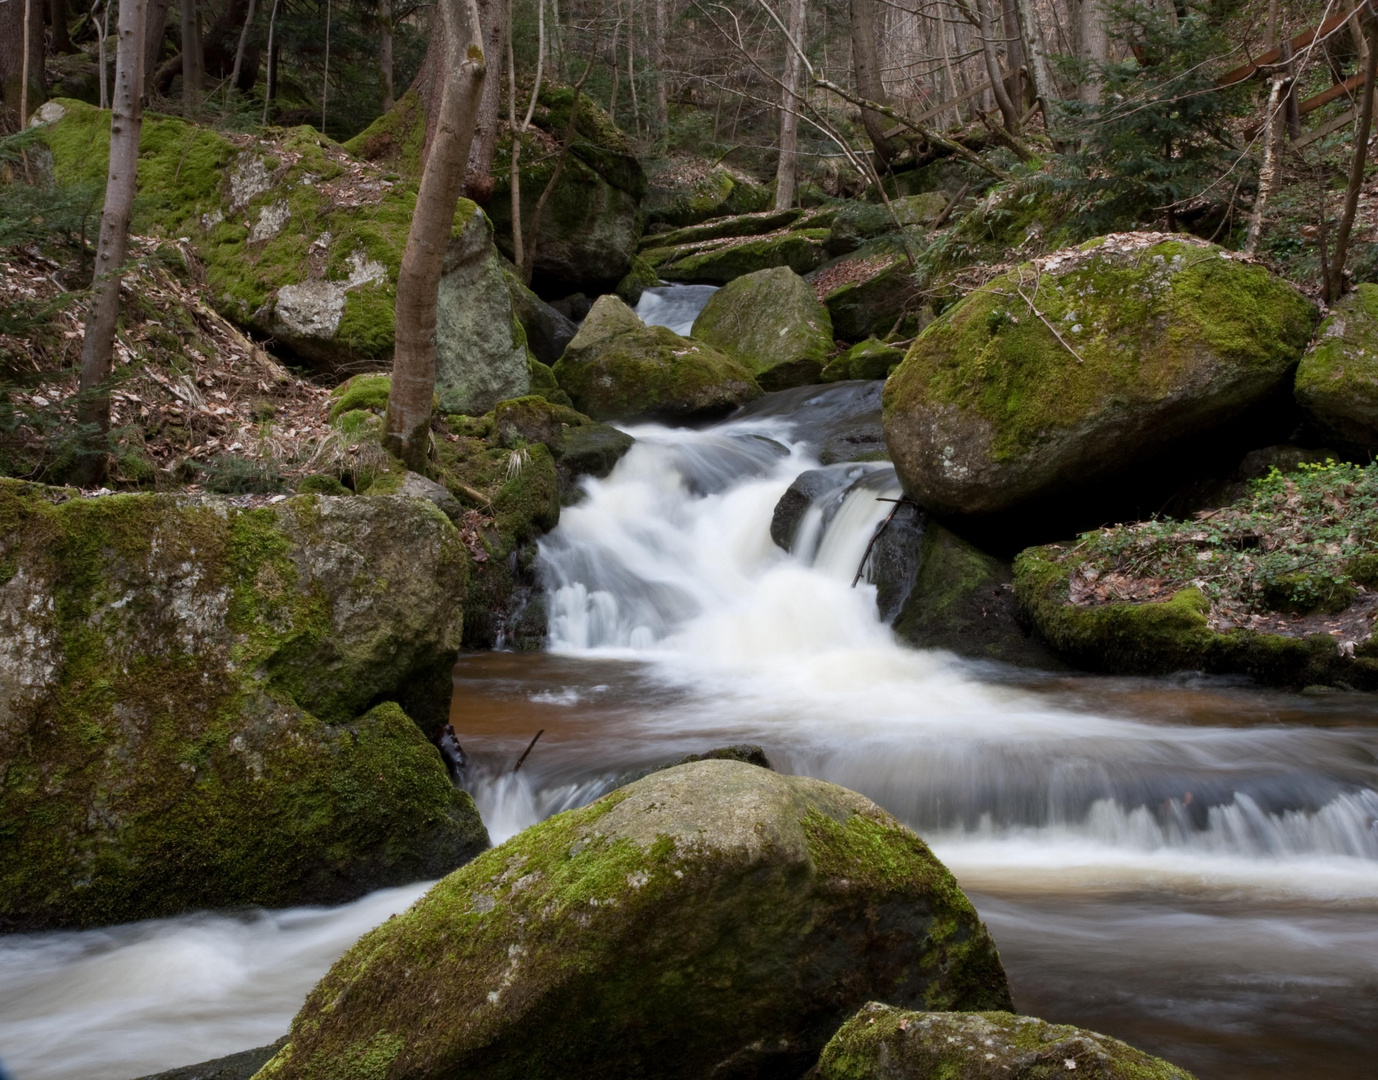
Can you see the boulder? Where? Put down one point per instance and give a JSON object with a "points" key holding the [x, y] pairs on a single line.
{"points": [[841, 421], [302, 243], [714, 918], [637, 280], [1081, 364], [772, 323], [808, 488], [548, 331], [720, 261], [590, 225], [1337, 379], [719, 228], [240, 1066], [869, 359], [675, 201], [882, 1042], [618, 368], [746, 753], [188, 702], [871, 294]]}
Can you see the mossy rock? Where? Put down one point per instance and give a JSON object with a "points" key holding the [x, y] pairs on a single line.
{"points": [[1159, 637], [1337, 379], [188, 694], [771, 322], [1159, 339], [720, 228], [617, 368], [801, 251], [715, 193], [711, 917], [637, 280], [869, 359], [879, 294], [361, 392], [882, 1042]]}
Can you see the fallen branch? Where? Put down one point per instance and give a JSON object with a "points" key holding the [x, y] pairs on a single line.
{"points": [[528, 749], [877, 534]]}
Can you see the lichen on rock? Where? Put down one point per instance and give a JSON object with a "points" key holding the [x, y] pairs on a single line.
{"points": [[714, 918]]}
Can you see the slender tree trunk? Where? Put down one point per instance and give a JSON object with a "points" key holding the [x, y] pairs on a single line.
{"points": [[1040, 76], [616, 68], [407, 423], [868, 81], [662, 116], [787, 168], [270, 86], [126, 118], [103, 27], [1269, 173], [988, 29], [1014, 49], [385, 50], [1095, 49], [62, 40], [631, 66], [325, 78], [155, 27], [1334, 285], [243, 40], [21, 56], [192, 59], [478, 178], [518, 130]]}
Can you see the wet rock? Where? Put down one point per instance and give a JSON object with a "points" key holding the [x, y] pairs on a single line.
{"points": [[771, 322], [1337, 380], [869, 359], [206, 671], [618, 368], [874, 295], [746, 753], [548, 331], [1159, 340], [240, 1066], [807, 489], [842, 420], [637, 280], [712, 918], [885, 1043]]}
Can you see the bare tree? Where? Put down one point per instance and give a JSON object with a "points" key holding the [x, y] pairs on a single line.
{"points": [[1036, 53], [787, 168], [126, 121], [192, 60], [1095, 48], [980, 17], [155, 26], [62, 40], [243, 40], [1334, 284], [661, 28], [21, 56], [518, 130], [407, 423], [1270, 172], [385, 50], [865, 60]]}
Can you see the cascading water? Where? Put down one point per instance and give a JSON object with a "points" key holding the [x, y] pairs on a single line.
{"points": [[675, 306], [1188, 864]]}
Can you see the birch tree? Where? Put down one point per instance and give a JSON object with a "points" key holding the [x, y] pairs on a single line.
{"points": [[126, 122]]}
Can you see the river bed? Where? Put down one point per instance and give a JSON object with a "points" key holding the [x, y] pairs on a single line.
{"points": [[1189, 864]]}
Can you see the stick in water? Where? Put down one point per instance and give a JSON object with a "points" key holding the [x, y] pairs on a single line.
{"points": [[532, 743]]}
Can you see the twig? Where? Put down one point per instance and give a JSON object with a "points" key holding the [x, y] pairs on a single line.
{"points": [[1020, 290], [876, 535], [531, 744]]}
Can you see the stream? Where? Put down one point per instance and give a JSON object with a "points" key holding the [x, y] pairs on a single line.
{"points": [[1189, 864]]}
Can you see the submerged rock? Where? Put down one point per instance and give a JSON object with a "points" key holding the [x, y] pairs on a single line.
{"points": [[618, 368], [240, 1066], [882, 1042], [773, 324], [188, 694], [1158, 339], [1337, 379], [715, 918]]}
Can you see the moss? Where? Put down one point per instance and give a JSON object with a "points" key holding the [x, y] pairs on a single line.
{"points": [[1337, 379], [360, 392], [528, 504], [179, 755], [638, 279], [869, 359], [882, 293], [801, 251], [885, 1043], [652, 933], [322, 484], [395, 138], [742, 225]]}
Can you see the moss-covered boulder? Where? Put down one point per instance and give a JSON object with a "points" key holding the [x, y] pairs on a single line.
{"points": [[871, 294], [637, 280], [771, 322], [720, 228], [869, 359], [678, 195], [1083, 363], [714, 918], [618, 368], [882, 1042], [1277, 586], [721, 261], [187, 702], [1337, 379], [301, 242], [547, 331]]}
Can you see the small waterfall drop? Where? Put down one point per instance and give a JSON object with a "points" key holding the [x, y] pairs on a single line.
{"points": [[675, 306]]}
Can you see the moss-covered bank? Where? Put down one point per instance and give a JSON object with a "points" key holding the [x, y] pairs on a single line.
{"points": [[711, 918], [188, 702]]}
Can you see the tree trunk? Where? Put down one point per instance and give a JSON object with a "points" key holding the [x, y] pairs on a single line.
{"points": [[1269, 172], [93, 409], [192, 60], [14, 63], [239, 52], [662, 117], [868, 81], [787, 168], [478, 174], [988, 29], [385, 50], [155, 27], [270, 82], [1095, 49], [62, 40], [407, 423], [1040, 76], [1014, 49], [518, 130], [1334, 285]]}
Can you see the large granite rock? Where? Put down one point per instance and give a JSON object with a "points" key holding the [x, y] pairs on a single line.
{"points": [[188, 694], [1066, 370], [1337, 380], [773, 324], [711, 919], [885, 1043], [618, 368]]}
